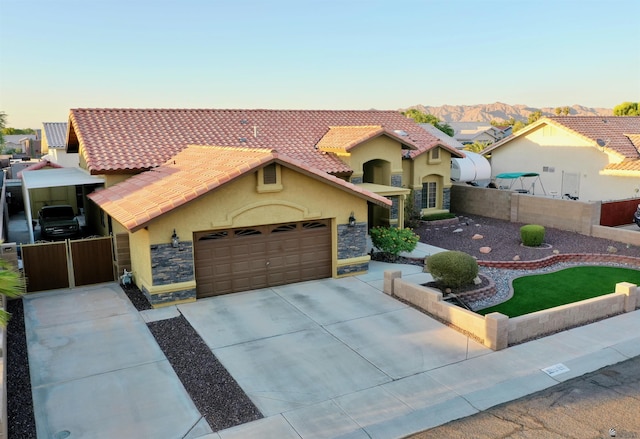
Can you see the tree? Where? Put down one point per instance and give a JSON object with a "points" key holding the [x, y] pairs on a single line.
{"points": [[11, 131], [476, 146], [420, 117], [627, 109], [518, 126], [501, 123], [445, 128], [11, 286], [558, 111], [566, 110], [534, 116], [3, 124]]}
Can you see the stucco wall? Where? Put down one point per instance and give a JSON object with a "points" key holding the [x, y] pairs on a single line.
{"points": [[239, 204], [61, 157], [563, 153], [381, 148], [140, 258], [423, 166]]}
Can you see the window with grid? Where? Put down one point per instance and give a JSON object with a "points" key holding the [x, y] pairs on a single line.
{"points": [[429, 194]]}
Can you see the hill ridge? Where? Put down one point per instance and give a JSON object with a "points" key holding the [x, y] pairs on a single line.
{"points": [[501, 111]]}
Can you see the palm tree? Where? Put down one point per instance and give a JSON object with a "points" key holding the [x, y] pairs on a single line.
{"points": [[12, 286]]}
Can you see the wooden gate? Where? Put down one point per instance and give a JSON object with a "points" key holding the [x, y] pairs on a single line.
{"points": [[45, 266], [54, 265]]}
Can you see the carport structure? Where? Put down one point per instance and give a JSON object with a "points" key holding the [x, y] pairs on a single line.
{"points": [[52, 178]]}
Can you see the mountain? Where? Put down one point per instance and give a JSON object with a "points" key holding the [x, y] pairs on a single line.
{"points": [[500, 111]]}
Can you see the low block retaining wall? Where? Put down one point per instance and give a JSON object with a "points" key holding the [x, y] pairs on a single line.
{"points": [[564, 257], [497, 331]]}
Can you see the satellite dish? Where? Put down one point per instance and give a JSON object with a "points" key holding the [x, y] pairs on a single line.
{"points": [[602, 143]]}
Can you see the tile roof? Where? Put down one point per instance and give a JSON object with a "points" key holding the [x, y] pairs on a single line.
{"points": [[342, 139], [193, 172], [617, 132], [442, 136], [632, 166], [614, 129], [121, 140], [56, 134], [39, 165]]}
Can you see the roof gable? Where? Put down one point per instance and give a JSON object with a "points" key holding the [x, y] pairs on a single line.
{"points": [[132, 140], [341, 140], [616, 131], [56, 134], [193, 172]]}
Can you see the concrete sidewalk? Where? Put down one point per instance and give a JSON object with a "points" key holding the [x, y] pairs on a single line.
{"points": [[321, 359]]}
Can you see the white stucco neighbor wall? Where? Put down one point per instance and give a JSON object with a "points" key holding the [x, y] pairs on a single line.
{"points": [[63, 159], [553, 153]]}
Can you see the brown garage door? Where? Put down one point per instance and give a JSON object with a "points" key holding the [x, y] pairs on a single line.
{"points": [[233, 260]]}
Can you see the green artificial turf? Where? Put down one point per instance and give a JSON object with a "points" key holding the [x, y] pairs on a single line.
{"points": [[543, 291]]}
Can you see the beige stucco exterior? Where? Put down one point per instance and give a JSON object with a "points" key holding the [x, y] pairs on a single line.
{"points": [[385, 150], [241, 204], [425, 168], [555, 153]]}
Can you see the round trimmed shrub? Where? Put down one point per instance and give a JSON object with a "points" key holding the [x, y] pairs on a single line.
{"points": [[532, 235], [452, 268]]}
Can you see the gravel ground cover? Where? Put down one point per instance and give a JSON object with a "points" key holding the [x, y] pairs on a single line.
{"points": [[21, 422], [503, 237], [213, 390]]}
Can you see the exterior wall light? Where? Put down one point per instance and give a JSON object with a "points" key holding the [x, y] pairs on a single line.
{"points": [[352, 220], [175, 239]]}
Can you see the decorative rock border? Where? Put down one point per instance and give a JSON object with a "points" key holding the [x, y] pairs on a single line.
{"points": [[442, 222], [566, 257], [491, 289]]}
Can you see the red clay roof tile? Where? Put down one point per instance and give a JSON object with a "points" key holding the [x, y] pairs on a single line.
{"points": [[117, 140], [193, 172]]}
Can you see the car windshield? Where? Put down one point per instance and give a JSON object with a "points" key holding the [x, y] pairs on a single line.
{"points": [[62, 212]]}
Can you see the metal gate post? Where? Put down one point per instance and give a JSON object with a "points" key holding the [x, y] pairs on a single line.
{"points": [[70, 272]]}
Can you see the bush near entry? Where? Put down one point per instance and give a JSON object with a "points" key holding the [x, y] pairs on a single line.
{"points": [[532, 235], [393, 240], [438, 216], [452, 268]]}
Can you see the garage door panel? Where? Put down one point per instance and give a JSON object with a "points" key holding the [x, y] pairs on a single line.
{"points": [[251, 258]]}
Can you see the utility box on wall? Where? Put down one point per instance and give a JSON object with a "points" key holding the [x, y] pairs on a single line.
{"points": [[9, 252]]}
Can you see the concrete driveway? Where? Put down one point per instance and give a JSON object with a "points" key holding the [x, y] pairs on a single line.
{"points": [[321, 359], [298, 345]]}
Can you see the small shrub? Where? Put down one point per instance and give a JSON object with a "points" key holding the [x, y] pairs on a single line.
{"points": [[452, 268], [411, 213], [393, 240], [532, 235], [438, 216]]}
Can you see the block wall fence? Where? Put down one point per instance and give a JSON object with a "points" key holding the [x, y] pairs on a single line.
{"points": [[497, 331]]}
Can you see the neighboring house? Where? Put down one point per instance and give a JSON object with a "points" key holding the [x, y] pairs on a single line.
{"points": [[591, 158], [472, 132], [54, 144], [473, 168], [19, 142], [252, 198]]}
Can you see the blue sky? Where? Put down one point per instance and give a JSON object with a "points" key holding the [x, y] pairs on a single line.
{"points": [[313, 54]]}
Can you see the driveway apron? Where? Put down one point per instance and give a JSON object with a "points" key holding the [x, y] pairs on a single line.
{"points": [[96, 370]]}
